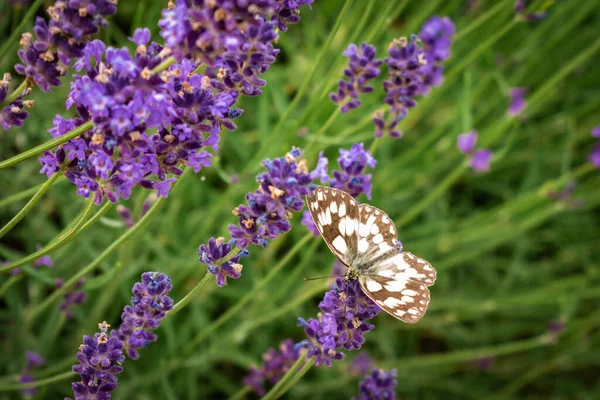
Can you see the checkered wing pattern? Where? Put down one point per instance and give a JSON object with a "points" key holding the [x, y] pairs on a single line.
{"points": [[335, 214]]}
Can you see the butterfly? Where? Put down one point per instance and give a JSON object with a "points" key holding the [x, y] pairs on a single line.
{"points": [[364, 239]]}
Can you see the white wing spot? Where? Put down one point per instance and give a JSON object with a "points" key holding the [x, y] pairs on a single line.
{"points": [[392, 302], [400, 312], [342, 210], [391, 229], [374, 286], [395, 286], [333, 207], [413, 311], [350, 226], [407, 299], [374, 229], [340, 244], [366, 227], [384, 247], [378, 238], [342, 226], [385, 219], [327, 217], [363, 245], [320, 195], [409, 292], [386, 272]]}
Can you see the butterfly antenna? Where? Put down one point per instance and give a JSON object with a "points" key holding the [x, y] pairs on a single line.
{"points": [[324, 277]]}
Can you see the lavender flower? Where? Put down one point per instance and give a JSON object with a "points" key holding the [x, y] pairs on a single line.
{"points": [[436, 34], [72, 23], [33, 360], [466, 142], [381, 384], [281, 192], [12, 114], [72, 298], [44, 260], [149, 305], [342, 322], [217, 249], [100, 359], [480, 161], [517, 101], [595, 154], [412, 71], [360, 365], [275, 364], [351, 177], [362, 67]]}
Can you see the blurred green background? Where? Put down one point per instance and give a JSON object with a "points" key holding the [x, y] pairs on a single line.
{"points": [[511, 259]]}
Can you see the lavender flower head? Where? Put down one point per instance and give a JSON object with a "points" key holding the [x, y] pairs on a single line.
{"points": [[595, 154], [216, 250], [466, 142], [481, 159], [381, 384], [520, 6], [342, 323], [100, 358], [12, 114], [149, 305], [280, 193], [44, 260], [414, 66], [73, 298], [362, 67], [275, 364], [517, 101], [33, 360], [47, 57], [360, 365]]}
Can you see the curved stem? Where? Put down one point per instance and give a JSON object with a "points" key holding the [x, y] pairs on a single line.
{"points": [[91, 266], [240, 394], [15, 35], [36, 197], [26, 193], [38, 383], [276, 391], [13, 96], [188, 297], [46, 146], [63, 239]]}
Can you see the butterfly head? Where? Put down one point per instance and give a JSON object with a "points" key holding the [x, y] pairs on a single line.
{"points": [[352, 274]]}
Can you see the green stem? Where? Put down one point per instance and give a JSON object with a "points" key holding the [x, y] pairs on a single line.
{"points": [[30, 204], [62, 240], [16, 32], [41, 382], [46, 146], [296, 378], [274, 139], [241, 394], [189, 297], [274, 392], [479, 21], [164, 65], [440, 189], [26, 193], [249, 296], [96, 262], [13, 96], [11, 281], [468, 355], [314, 138]]}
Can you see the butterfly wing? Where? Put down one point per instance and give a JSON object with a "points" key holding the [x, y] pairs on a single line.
{"points": [[404, 299], [335, 214], [396, 281]]}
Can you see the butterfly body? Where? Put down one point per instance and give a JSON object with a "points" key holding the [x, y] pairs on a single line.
{"points": [[365, 240]]}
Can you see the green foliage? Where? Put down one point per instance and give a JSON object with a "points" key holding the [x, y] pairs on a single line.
{"points": [[510, 259]]}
